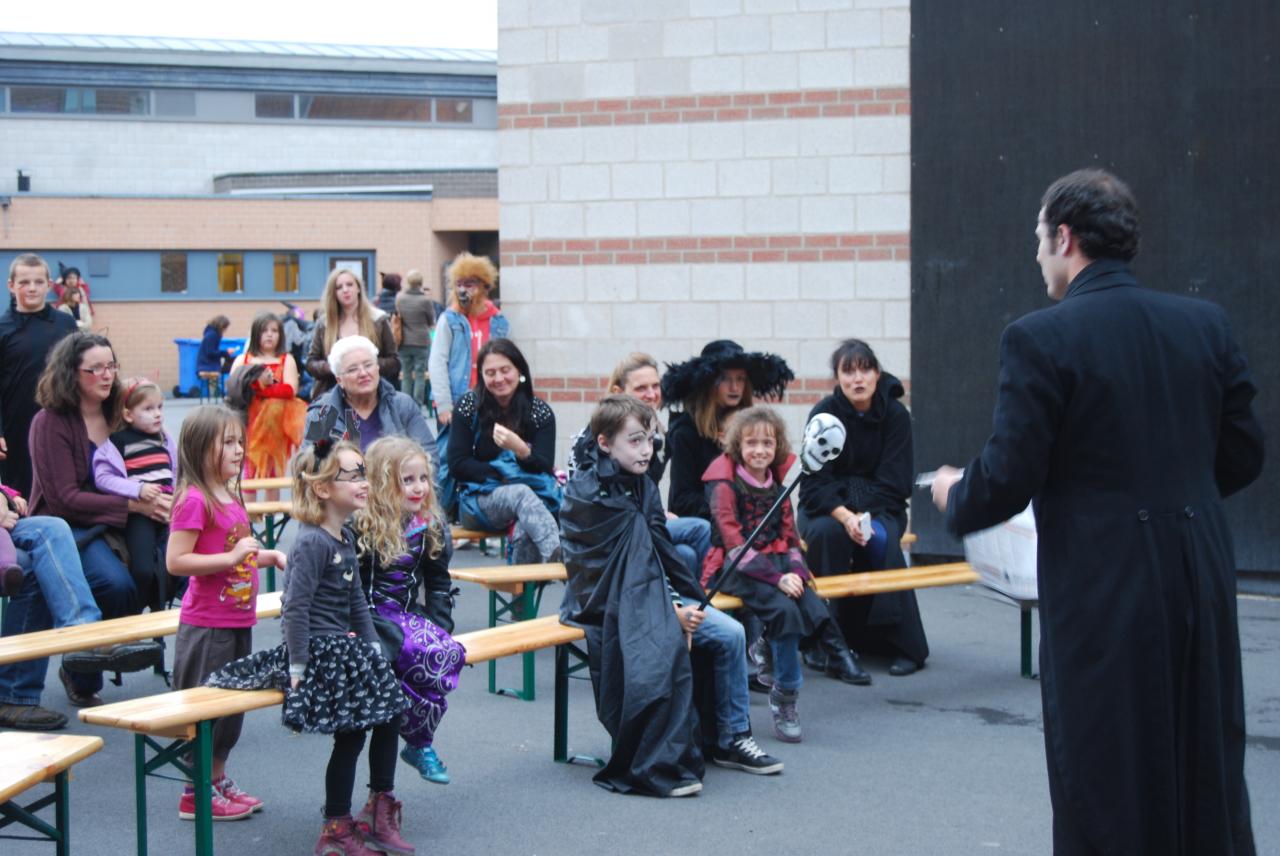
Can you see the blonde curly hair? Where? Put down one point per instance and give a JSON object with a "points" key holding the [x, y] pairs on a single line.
{"points": [[380, 524]]}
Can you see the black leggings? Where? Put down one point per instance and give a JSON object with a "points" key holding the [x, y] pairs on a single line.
{"points": [[146, 540], [340, 775]]}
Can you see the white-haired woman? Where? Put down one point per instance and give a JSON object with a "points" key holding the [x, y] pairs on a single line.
{"points": [[363, 406]]}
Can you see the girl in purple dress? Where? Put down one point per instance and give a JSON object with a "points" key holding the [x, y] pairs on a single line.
{"points": [[404, 561]]}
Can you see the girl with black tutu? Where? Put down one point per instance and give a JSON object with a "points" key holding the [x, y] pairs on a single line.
{"points": [[742, 485], [335, 677]]}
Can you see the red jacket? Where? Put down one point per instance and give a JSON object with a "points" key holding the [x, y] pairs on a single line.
{"points": [[729, 532]]}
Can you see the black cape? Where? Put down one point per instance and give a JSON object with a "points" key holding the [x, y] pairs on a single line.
{"points": [[619, 561], [1127, 415], [25, 342]]}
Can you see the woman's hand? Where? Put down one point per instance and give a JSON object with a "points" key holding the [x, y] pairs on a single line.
{"points": [[852, 523], [505, 438], [791, 585], [157, 509], [444, 417]]}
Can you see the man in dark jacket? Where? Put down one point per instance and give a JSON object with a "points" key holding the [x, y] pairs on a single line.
{"points": [[1126, 415], [28, 331]]}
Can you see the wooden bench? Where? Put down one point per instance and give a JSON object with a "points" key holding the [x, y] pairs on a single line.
{"points": [[112, 631], [186, 716], [30, 760]]}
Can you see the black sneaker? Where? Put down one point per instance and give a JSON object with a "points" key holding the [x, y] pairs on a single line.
{"points": [[124, 657], [743, 754]]}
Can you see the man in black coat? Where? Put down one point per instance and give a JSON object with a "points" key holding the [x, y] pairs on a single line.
{"points": [[28, 331], [1126, 415]]}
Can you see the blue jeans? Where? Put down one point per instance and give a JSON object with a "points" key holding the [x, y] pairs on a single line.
{"points": [[692, 537], [55, 593], [724, 638], [786, 663]]}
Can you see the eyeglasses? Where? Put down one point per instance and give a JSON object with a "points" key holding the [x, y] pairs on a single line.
{"points": [[102, 371], [363, 368], [355, 474]]}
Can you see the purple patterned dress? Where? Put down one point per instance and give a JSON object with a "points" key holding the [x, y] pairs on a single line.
{"points": [[430, 659]]}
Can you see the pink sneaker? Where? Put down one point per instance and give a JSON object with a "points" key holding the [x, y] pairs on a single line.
{"points": [[223, 808], [228, 789]]}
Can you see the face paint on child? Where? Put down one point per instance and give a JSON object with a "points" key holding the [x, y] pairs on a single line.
{"points": [[631, 448], [415, 485]]}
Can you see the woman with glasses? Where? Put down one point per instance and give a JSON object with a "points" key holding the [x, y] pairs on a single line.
{"points": [[363, 406], [80, 394], [345, 310]]}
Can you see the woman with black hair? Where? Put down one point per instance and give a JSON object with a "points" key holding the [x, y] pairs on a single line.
{"points": [[502, 444], [871, 477]]}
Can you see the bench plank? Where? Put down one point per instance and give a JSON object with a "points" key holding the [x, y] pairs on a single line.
{"points": [[171, 714], [254, 485], [30, 759], [113, 631]]}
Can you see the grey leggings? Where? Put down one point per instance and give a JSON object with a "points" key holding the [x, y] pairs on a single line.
{"points": [[537, 535]]}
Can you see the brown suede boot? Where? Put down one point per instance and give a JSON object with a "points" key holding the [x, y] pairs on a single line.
{"points": [[379, 823], [339, 837]]}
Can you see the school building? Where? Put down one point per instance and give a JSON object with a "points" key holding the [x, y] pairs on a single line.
{"points": [[187, 178]]}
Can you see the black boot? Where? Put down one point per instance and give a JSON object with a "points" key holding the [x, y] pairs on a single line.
{"points": [[843, 665], [816, 658]]}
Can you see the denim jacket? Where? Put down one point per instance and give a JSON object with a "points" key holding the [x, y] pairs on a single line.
{"points": [[459, 356]]}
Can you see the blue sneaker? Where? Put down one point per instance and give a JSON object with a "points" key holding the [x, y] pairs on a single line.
{"points": [[427, 763]]}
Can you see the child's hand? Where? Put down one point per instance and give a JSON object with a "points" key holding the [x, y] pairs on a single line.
{"points": [[690, 618], [293, 683], [271, 559], [149, 492], [791, 585], [243, 548], [19, 505]]}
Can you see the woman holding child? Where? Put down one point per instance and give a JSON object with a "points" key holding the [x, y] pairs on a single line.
{"points": [[502, 444], [872, 477]]}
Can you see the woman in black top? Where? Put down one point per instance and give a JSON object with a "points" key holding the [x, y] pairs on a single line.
{"points": [[502, 443], [872, 475], [710, 388]]}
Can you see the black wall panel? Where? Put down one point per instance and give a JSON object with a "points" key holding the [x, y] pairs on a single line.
{"points": [[1179, 98]]}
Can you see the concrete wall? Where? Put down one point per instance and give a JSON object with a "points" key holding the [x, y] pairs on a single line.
{"points": [[683, 170], [168, 158]]}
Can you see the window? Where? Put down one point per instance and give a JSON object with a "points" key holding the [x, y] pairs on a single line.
{"points": [[173, 273], [286, 270], [73, 99], [175, 102], [454, 110], [273, 106], [364, 108], [231, 273]]}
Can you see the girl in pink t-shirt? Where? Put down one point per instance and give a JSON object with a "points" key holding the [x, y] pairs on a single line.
{"points": [[210, 541]]}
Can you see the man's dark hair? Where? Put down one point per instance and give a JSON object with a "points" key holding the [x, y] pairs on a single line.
{"points": [[611, 414], [1100, 211]]}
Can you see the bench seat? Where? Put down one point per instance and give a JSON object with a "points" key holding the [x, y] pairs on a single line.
{"points": [[33, 759]]}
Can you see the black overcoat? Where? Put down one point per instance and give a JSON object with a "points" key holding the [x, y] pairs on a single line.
{"points": [[623, 570], [1125, 413]]}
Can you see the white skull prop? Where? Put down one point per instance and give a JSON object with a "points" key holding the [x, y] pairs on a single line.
{"points": [[823, 441]]}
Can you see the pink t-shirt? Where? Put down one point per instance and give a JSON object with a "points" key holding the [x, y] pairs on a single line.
{"points": [[227, 598]]}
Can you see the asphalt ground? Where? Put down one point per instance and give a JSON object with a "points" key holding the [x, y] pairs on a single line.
{"points": [[947, 761]]}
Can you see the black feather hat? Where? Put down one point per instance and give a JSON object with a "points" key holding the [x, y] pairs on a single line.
{"points": [[769, 373]]}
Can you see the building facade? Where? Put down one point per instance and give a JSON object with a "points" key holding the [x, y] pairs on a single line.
{"points": [[681, 171], [190, 178]]}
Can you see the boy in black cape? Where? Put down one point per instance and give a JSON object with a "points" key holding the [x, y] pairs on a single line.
{"points": [[636, 600]]}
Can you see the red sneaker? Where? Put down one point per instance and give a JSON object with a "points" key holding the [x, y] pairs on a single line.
{"points": [[228, 789], [223, 808]]}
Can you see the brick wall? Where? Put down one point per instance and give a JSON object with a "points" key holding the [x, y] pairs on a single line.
{"points": [[675, 172], [404, 234]]}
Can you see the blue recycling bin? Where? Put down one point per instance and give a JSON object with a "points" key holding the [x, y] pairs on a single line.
{"points": [[188, 351]]}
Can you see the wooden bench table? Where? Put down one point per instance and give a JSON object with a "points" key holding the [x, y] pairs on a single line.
{"points": [[112, 631], [30, 760]]}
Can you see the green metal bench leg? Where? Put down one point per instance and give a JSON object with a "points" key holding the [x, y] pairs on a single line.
{"points": [[560, 742], [140, 789], [58, 833], [204, 788], [519, 608], [1028, 670]]}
